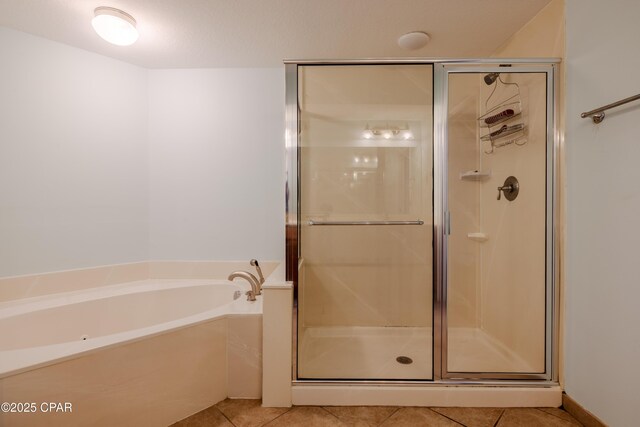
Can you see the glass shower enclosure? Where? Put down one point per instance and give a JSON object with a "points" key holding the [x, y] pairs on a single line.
{"points": [[420, 220]]}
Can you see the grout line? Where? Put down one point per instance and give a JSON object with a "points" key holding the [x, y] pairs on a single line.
{"points": [[560, 418], [443, 415], [334, 416], [223, 414], [285, 412], [499, 418], [390, 415]]}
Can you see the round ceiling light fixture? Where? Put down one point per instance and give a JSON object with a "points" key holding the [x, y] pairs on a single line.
{"points": [[115, 26], [413, 40]]}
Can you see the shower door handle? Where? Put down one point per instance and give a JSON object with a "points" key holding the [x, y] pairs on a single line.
{"points": [[314, 222], [447, 223]]}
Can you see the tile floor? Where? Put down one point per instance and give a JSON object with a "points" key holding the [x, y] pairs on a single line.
{"points": [[250, 413]]}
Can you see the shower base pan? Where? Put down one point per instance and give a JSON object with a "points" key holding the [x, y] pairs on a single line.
{"points": [[397, 353], [364, 353]]}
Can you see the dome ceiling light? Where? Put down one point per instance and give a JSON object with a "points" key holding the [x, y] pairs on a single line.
{"points": [[413, 40], [115, 26]]}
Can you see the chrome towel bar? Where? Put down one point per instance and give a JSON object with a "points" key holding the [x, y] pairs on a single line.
{"points": [[597, 115], [314, 222]]}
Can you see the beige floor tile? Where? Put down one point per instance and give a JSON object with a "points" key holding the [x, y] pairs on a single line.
{"points": [[248, 412], [210, 417], [472, 417], [306, 416], [561, 414], [362, 415], [415, 417], [530, 417]]}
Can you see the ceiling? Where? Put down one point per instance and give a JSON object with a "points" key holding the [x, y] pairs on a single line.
{"points": [[261, 33]]}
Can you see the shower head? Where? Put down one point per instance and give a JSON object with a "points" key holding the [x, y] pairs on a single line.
{"points": [[490, 78]]}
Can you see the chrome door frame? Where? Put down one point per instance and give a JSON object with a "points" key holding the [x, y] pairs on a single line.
{"points": [[440, 87]]}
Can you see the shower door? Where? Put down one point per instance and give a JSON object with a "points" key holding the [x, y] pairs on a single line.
{"points": [[497, 255], [365, 225]]}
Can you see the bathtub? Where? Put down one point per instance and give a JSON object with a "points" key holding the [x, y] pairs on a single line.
{"points": [[119, 353]]}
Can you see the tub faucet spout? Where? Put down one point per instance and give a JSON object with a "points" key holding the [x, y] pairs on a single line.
{"points": [[253, 281]]}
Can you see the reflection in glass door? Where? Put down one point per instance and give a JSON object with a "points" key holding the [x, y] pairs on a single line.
{"points": [[499, 242], [365, 217]]}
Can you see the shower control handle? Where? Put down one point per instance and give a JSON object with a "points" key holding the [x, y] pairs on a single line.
{"points": [[505, 189], [510, 188]]}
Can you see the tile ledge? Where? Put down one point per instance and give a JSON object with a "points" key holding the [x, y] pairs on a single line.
{"points": [[277, 285]]}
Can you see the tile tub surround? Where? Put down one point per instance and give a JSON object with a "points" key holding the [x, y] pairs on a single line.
{"points": [[250, 413], [33, 285]]}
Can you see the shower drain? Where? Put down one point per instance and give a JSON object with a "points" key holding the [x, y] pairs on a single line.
{"points": [[404, 360]]}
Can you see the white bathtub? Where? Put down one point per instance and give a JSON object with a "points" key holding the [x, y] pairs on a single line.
{"points": [[46, 329], [168, 331]]}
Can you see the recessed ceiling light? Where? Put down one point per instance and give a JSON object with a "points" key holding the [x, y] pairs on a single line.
{"points": [[413, 40], [115, 26]]}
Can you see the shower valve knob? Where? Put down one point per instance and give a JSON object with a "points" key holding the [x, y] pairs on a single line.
{"points": [[510, 188], [506, 189]]}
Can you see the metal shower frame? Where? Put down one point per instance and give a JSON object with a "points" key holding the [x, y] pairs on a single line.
{"points": [[441, 70]]}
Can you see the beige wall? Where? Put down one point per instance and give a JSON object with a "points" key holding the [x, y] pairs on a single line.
{"points": [[542, 37]]}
